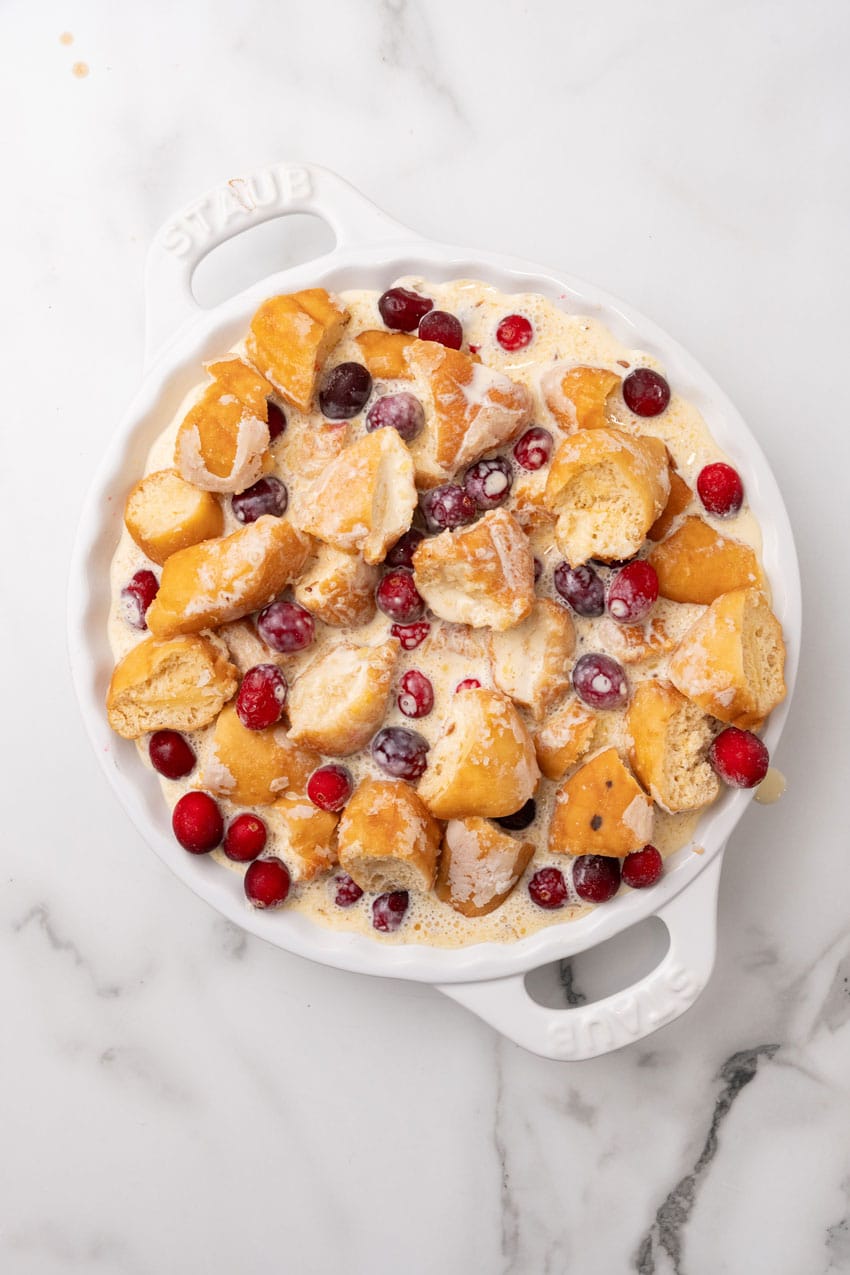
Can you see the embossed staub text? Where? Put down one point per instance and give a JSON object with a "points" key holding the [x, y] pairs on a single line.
{"points": [[239, 199], [621, 1019]]}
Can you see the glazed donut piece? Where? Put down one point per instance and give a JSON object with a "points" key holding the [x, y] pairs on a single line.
{"points": [[576, 395], [698, 564], [340, 700], [383, 353], [677, 502], [670, 740], [291, 336], [731, 662], [254, 767], [387, 839], [164, 513], [601, 809], [176, 685], [482, 575], [307, 835], [479, 866], [338, 588], [223, 439], [564, 738], [531, 662], [607, 488]]}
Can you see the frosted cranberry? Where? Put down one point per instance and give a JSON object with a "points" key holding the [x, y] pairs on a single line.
{"points": [[401, 554], [739, 757], [171, 754], [347, 891], [277, 421], [600, 681], [646, 392], [345, 392], [262, 697], [267, 883], [514, 332], [633, 593], [402, 309], [286, 627], [440, 326], [720, 489], [401, 412], [596, 877], [468, 684], [137, 595], [548, 889], [399, 598], [582, 588], [416, 694], [448, 506], [642, 867], [534, 448], [411, 635], [197, 822], [388, 910], [402, 753], [245, 838], [268, 496], [489, 482], [329, 788], [521, 818]]}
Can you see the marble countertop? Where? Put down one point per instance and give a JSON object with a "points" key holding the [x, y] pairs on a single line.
{"points": [[176, 1096]]}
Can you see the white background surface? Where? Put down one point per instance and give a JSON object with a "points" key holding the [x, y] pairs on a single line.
{"points": [[176, 1097]]}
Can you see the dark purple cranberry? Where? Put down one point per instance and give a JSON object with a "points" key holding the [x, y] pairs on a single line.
{"points": [[286, 627], [137, 595], [538, 569], [401, 554], [534, 448], [646, 392], [347, 891], [402, 412], [277, 421], [582, 588], [440, 326], [489, 482], [402, 309], [411, 635], [548, 889], [600, 681], [596, 877], [388, 910], [415, 694], [402, 753], [268, 496], [448, 506], [520, 818], [398, 597], [345, 392]]}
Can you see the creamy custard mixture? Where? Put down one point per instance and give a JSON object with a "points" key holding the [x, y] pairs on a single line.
{"points": [[452, 653]]}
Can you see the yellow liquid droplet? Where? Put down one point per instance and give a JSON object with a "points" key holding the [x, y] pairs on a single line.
{"points": [[80, 69], [66, 38], [771, 787]]}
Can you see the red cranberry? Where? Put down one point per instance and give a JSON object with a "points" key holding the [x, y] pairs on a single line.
{"points": [[401, 554], [399, 598], [262, 697], [600, 681], [489, 482], [267, 883], [286, 627], [388, 910], [329, 788], [646, 392], [402, 753], [633, 593], [411, 635], [245, 838], [268, 496], [347, 891], [720, 489], [739, 757], [171, 754], [514, 332], [473, 349], [197, 822], [468, 684], [137, 595], [548, 889], [582, 588], [277, 421], [345, 392], [401, 412], [416, 694], [448, 506], [521, 818], [642, 867], [402, 309], [534, 448], [596, 877], [440, 326]]}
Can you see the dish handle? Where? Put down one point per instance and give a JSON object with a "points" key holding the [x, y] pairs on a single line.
{"points": [[586, 1031], [236, 205]]}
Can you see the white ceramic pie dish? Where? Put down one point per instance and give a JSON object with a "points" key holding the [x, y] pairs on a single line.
{"points": [[371, 251]]}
